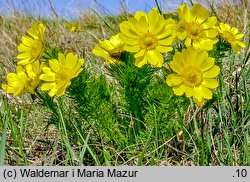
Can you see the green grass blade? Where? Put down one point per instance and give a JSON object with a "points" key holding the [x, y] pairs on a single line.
{"points": [[144, 150], [2, 144]]}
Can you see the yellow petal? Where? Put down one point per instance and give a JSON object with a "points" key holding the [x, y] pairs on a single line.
{"points": [[179, 90], [23, 48], [196, 44], [135, 26], [46, 70], [71, 60], [222, 26], [53, 91], [30, 89], [20, 70], [174, 79], [140, 53], [61, 90], [155, 21], [184, 12], [62, 60], [202, 92], [164, 33], [167, 41], [140, 61], [199, 58], [129, 40], [5, 87], [234, 30], [127, 31], [54, 65], [241, 44], [98, 51], [235, 48], [181, 34], [211, 33], [164, 49], [200, 103], [47, 86], [207, 64], [75, 73], [27, 40], [211, 22], [239, 36], [207, 44], [189, 91], [211, 73], [155, 58], [140, 14], [227, 27], [143, 23], [210, 83], [177, 64], [132, 48], [37, 30], [188, 42], [48, 77], [24, 55], [30, 71], [199, 12], [106, 45]]}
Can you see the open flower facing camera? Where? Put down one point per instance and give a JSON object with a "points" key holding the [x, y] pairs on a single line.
{"points": [[195, 74]]}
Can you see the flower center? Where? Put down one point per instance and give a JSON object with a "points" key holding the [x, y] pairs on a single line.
{"points": [[194, 29], [228, 36], [36, 49], [193, 76], [148, 41], [62, 76]]}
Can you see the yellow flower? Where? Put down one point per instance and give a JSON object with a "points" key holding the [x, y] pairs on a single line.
{"points": [[16, 82], [59, 73], [196, 27], [232, 36], [32, 46], [72, 27], [195, 74], [148, 35], [23, 80], [110, 50], [34, 70]]}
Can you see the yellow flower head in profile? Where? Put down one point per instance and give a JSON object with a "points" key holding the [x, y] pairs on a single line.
{"points": [[148, 35], [194, 75], [110, 50], [196, 27], [32, 46], [58, 75], [232, 36], [23, 80]]}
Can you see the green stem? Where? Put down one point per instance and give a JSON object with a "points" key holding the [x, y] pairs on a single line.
{"points": [[158, 7]]}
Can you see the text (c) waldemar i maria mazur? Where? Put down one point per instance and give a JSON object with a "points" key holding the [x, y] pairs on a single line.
{"points": [[78, 173], [105, 173]]}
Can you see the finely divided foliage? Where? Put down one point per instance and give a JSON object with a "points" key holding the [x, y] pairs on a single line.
{"points": [[159, 98]]}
